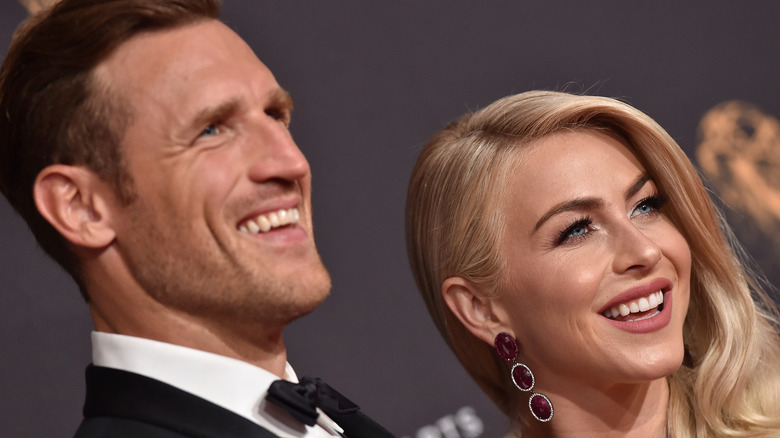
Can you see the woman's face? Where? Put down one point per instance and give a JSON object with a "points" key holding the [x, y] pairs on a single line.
{"points": [[589, 255]]}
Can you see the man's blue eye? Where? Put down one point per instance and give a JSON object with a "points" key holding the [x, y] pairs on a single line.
{"points": [[210, 130]]}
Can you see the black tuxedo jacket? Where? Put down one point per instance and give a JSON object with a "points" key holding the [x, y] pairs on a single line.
{"points": [[120, 404]]}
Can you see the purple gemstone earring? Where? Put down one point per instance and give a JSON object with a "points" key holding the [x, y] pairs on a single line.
{"points": [[523, 378]]}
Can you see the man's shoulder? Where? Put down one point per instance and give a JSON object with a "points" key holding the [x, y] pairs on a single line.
{"points": [[124, 404], [110, 427]]}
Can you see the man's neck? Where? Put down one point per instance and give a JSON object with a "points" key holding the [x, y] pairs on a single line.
{"points": [[249, 343]]}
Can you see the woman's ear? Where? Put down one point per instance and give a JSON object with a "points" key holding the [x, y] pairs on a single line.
{"points": [[75, 202], [476, 312]]}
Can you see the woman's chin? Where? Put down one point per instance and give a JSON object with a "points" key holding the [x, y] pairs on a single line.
{"points": [[660, 365]]}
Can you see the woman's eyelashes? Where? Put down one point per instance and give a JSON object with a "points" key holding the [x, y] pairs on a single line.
{"points": [[576, 231], [650, 205], [581, 227]]}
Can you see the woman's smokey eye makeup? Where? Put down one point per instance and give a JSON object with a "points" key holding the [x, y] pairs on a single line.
{"points": [[582, 225], [655, 203], [576, 231]]}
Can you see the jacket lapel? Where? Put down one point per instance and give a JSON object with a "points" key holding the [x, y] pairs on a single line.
{"points": [[120, 394], [359, 425]]}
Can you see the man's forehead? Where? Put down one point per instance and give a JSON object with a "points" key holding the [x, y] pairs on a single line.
{"points": [[190, 64], [176, 51]]}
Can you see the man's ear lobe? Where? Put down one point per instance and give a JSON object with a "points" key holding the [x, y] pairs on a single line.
{"points": [[74, 201], [476, 312]]}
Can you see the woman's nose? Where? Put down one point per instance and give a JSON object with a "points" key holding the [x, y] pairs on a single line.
{"points": [[635, 250]]}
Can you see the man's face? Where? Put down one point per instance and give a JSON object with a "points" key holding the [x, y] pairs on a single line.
{"points": [[221, 225]]}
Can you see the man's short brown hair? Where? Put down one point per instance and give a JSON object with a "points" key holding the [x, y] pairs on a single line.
{"points": [[53, 110]]}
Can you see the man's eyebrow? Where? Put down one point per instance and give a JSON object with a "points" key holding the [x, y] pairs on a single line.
{"points": [[281, 99], [571, 205], [278, 99], [219, 112]]}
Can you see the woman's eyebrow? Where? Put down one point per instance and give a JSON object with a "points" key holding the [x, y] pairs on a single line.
{"points": [[571, 205], [639, 182], [590, 203]]}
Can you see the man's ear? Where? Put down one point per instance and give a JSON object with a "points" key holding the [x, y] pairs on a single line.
{"points": [[476, 312], [75, 202]]}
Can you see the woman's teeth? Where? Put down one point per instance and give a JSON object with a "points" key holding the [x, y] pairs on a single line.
{"points": [[643, 304], [266, 222]]}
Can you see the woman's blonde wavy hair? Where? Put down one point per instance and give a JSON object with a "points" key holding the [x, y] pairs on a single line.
{"points": [[729, 383]]}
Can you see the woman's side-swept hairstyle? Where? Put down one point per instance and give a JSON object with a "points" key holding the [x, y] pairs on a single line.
{"points": [[54, 111], [729, 384]]}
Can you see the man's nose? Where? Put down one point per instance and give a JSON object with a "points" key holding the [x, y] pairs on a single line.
{"points": [[273, 154]]}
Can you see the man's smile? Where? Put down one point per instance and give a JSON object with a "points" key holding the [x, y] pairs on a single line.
{"points": [[264, 223]]}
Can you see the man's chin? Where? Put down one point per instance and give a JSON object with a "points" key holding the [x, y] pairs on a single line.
{"points": [[292, 304], [310, 300]]}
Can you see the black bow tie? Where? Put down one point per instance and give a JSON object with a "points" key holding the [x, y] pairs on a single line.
{"points": [[302, 399]]}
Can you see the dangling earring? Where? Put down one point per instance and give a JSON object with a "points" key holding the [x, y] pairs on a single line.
{"points": [[523, 378]]}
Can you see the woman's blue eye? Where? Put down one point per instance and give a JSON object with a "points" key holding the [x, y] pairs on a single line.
{"points": [[645, 208], [650, 205], [579, 229]]}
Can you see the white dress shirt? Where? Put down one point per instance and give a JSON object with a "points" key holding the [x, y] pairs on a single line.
{"points": [[235, 385]]}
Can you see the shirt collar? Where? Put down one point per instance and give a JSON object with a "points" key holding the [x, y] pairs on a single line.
{"points": [[230, 383]]}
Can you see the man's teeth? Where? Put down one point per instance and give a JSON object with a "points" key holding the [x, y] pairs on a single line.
{"points": [[643, 304], [266, 222]]}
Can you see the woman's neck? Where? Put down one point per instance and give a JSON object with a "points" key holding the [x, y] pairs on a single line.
{"points": [[627, 410]]}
